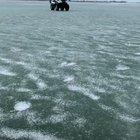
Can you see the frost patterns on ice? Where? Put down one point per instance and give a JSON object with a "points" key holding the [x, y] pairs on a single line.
{"points": [[17, 134], [39, 82], [128, 118], [84, 91]]}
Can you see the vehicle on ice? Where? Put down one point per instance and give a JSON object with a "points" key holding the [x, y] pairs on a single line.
{"points": [[59, 5]]}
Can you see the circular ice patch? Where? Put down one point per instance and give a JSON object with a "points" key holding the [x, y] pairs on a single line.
{"points": [[21, 106]]}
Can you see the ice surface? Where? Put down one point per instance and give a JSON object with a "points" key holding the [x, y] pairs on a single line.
{"points": [[62, 74]]}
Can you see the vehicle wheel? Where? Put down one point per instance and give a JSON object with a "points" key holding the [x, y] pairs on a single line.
{"points": [[52, 6], [62, 7], [58, 7], [66, 7]]}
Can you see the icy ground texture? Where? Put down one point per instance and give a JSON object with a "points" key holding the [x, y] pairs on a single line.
{"points": [[69, 75]]}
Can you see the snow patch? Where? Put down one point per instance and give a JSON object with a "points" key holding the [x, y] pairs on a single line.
{"points": [[41, 85], [16, 50], [33, 76], [58, 118], [4, 71], [128, 118], [138, 53], [21, 106], [68, 79], [84, 91], [3, 87], [80, 122], [122, 67], [8, 61], [39, 82], [23, 90], [66, 64], [18, 134], [107, 108]]}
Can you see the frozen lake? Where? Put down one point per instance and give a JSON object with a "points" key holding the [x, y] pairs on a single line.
{"points": [[69, 75]]}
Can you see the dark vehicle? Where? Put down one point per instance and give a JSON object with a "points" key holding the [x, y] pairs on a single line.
{"points": [[59, 5]]}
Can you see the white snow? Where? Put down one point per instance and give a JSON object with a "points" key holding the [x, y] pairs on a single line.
{"points": [[68, 79], [122, 67], [5, 71], [66, 64], [84, 91], [21, 106]]}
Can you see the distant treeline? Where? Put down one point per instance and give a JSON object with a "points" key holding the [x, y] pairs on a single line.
{"points": [[97, 1]]}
